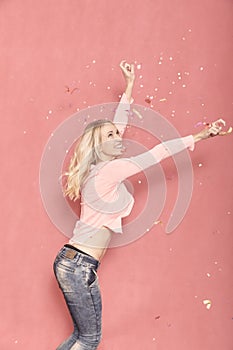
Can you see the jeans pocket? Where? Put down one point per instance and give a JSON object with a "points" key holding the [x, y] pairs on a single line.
{"points": [[92, 277]]}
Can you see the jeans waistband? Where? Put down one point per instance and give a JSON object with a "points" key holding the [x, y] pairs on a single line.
{"points": [[76, 254]]}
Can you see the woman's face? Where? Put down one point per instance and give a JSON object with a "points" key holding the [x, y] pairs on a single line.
{"points": [[111, 145]]}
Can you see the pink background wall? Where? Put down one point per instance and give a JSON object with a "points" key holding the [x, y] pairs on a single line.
{"points": [[153, 289]]}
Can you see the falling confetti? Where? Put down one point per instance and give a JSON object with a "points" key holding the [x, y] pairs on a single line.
{"points": [[207, 303], [69, 90], [163, 99], [137, 113], [200, 165], [198, 124], [139, 66], [147, 100], [157, 317], [158, 222]]}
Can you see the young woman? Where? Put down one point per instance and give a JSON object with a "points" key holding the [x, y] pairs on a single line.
{"points": [[95, 174]]}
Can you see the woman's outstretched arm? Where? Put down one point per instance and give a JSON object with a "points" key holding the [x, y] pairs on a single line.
{"points": [[119, 169]]}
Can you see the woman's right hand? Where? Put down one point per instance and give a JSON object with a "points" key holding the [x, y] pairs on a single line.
{"points": [[212, 129], [128, 71]]}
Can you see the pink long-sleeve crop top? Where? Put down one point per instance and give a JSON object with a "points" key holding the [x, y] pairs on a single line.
{"points": [[105, 199]]}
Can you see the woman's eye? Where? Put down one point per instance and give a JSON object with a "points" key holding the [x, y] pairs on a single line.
{"points": [[110, 134]]}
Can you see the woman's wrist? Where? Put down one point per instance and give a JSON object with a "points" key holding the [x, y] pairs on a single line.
{"points": [[197, 137], [129, 89]]}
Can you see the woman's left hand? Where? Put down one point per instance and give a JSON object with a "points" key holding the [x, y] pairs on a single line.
{"points": [[128, 71]]}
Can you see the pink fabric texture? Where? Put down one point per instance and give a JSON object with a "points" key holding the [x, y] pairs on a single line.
{"points": [[105, 199]]}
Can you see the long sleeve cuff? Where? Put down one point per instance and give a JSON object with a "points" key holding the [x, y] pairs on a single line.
{"points": [[125, 100]]}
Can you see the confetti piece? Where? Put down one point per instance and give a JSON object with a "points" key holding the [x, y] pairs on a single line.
{"points": [[208, 274], [207, 303], [198, 124], [201, 68], [139, 181], [139, 66], [137, 113], [200, 165], [71, 92], [183, 85], [157, 317], [147, 100], [158, 222], [163, 99], [170, 58]]}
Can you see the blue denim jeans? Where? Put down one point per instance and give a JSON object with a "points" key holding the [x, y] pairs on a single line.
{"points": [[76, 276]]}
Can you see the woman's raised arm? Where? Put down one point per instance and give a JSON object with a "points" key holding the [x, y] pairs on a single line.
{"points": [[122, 111]]}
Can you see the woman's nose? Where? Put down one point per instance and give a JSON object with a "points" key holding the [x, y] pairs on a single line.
{"points": [[118, 136]]}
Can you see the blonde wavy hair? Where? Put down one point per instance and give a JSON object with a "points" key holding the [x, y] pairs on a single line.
{"points": [[86, 152]]}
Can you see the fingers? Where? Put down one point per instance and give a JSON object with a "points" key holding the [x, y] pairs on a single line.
{"points": [[223, 133], [215, 128]]}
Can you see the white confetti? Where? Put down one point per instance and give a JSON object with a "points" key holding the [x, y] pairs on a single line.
{"points": [[141, 85], [208, 274], [200, 165], [139, 181], [50, 112], [170, 58], [207, 303], [201, 68], [184, 86], [93, 61], [139, 66]]}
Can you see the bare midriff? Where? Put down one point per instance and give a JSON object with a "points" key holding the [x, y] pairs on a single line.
{"points": [[96, 245]]}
